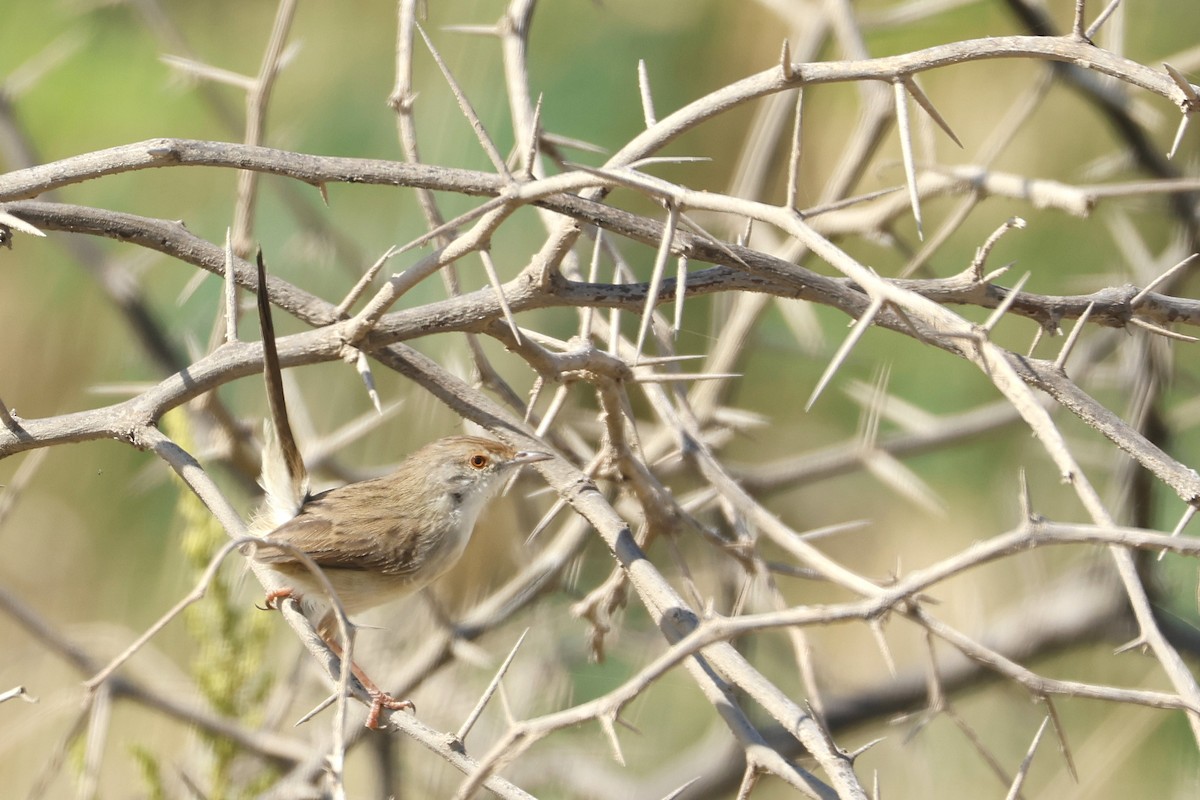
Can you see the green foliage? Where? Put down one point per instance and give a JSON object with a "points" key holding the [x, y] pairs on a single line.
{"points": [[151, 769], [231, 637]]}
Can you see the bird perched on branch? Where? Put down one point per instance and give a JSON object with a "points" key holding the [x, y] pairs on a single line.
{"points": [[374, 540]]}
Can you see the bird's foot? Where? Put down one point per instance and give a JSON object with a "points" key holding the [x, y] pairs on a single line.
{"points": [[381, 700], [276, 597]]}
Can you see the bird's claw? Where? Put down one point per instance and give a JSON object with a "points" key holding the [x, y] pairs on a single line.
{"points": [[276, 597], [381, 700]]}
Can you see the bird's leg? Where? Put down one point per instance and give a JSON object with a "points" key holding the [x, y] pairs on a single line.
{"points": [[379, 698]]}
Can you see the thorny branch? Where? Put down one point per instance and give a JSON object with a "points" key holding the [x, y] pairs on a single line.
{"points": [[653, 435]]}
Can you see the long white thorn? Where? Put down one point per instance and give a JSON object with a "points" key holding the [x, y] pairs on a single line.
{"points": [[856, 333]]}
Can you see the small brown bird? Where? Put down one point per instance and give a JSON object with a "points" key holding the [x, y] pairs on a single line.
{"points": [[381, 539]]}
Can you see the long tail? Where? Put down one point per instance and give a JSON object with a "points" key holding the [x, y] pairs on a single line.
{"points": [[284, 477]]}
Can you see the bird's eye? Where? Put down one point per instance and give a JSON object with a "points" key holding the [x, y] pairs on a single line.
{"points": [[478, 461]]}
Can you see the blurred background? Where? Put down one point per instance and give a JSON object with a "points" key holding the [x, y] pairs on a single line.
{"points": [[101, 539]]}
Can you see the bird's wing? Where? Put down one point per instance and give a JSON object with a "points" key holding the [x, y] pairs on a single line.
{"points": [[372, 538]]}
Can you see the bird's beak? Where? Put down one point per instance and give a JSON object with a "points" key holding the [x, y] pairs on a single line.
{"points": [[529, 457], [520, 459]]}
